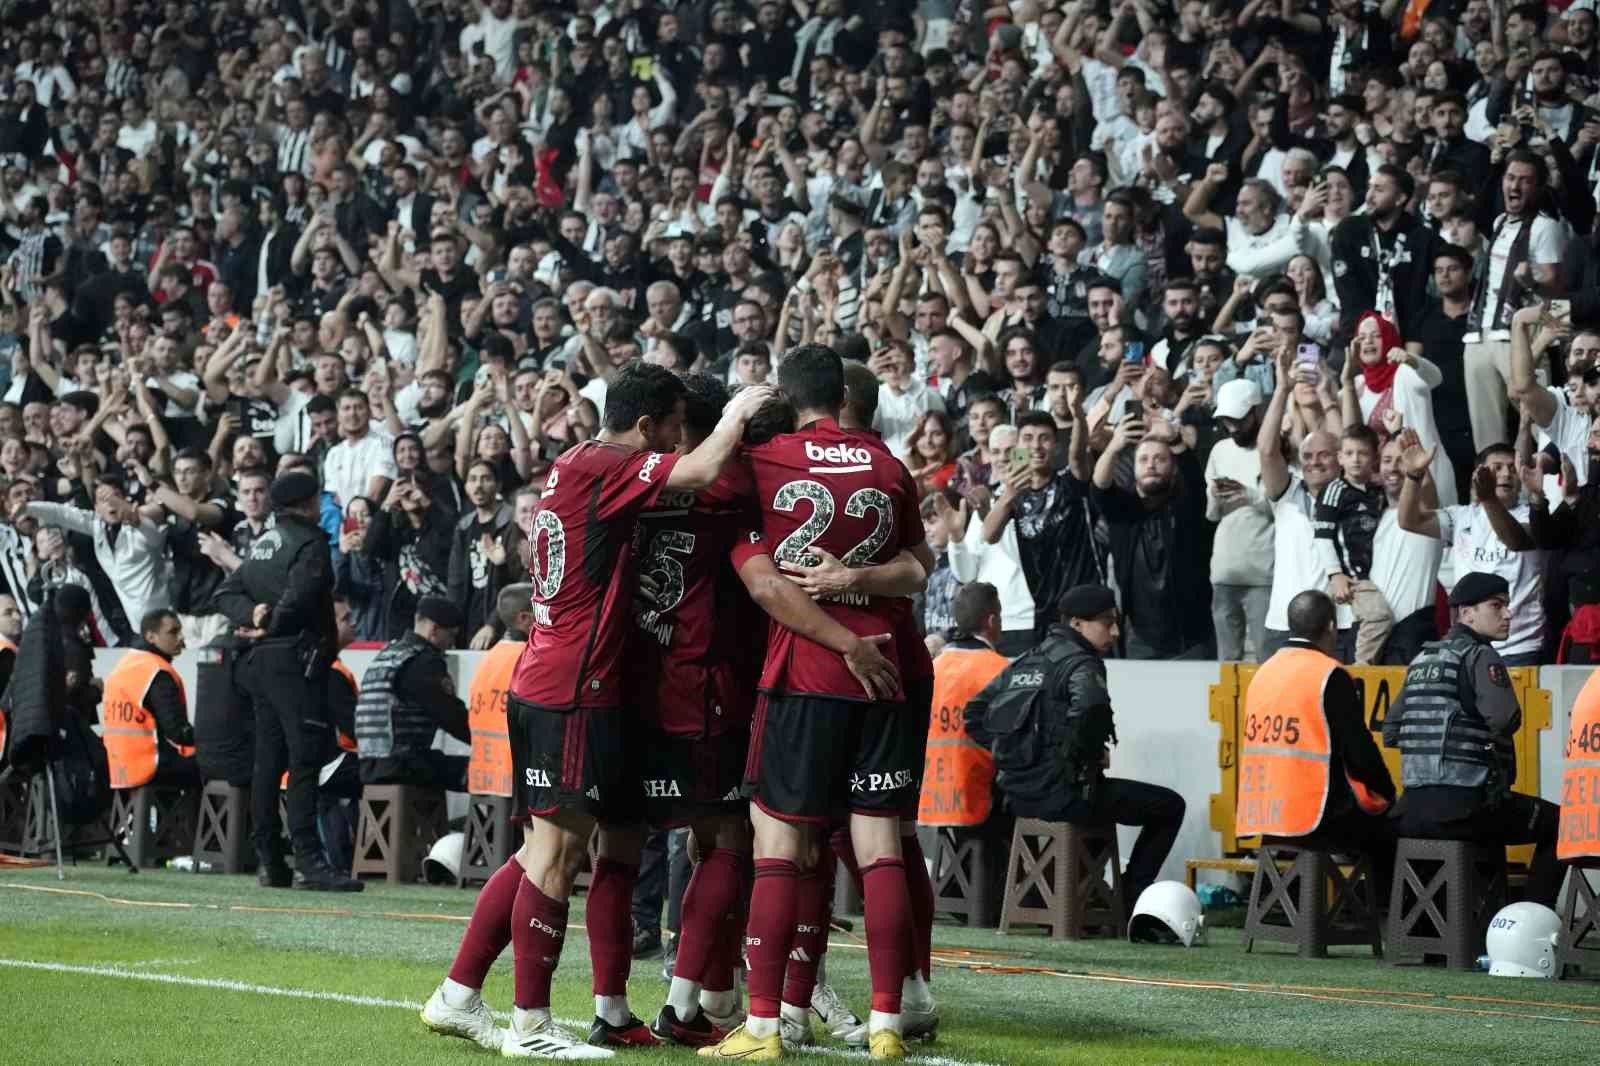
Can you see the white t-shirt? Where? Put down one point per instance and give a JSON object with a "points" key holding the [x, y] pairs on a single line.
{"points": [[351, 465], [898, 413], [1569, 432], [1546, 244], [1295, 565], [1404, 565], [1475, 548], [179, 379]]}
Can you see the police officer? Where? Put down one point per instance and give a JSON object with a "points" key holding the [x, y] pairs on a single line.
{"points": [[1453, 722], [407, 695], [1048, 720], [281, 599]]}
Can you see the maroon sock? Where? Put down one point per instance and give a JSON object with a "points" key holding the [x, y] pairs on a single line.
{"points": [[712, 891], [727, 952], [769, 932], [810, 935], [608, 916], [538, 928], [490, 929], [888, 909], [844, 850], [921, 890]]}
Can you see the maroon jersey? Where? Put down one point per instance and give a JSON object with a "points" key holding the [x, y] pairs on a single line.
{"points": [[845, 493], [681, 655], [582, 574]]}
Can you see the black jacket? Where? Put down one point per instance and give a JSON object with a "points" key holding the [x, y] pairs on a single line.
{"points": [[1355, 270], [289, 568], [166, 703], [475, 582]]}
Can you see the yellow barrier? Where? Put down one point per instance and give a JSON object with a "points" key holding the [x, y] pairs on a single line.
{"points": [[1379, 685]]}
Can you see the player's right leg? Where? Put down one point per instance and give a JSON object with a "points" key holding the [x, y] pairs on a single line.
{"points": [[714, 888]]}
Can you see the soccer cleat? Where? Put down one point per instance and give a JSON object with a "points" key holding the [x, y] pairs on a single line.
{"points": [[726, 1022], [886, 1044], [646, 943], [796, 1034], [631, 1033], [920, 1024], [475, 1022], [699, 1031], [275, 874], [837, 1016], [739, 1044], [548, 1041], [314, 875]]}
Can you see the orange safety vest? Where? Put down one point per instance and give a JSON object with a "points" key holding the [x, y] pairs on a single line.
{"points": [[1579, 837], [958, 772], [128, 728], [1283, 769], [5, 645], [489, 768]]}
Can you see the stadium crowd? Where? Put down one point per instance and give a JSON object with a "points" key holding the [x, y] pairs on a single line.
{"points": [[1177, 298]]}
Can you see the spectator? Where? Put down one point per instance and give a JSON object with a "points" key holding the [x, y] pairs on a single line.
{"points": [[478, 559], [1241, 553], [1348, 512], [931, 452], [1159, 542]]}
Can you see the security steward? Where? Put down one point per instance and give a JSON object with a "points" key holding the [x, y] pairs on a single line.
{"points": [[490, 771], [1309, 769], [144, 719], [1047, 719], [958, 782], [1453, 722], [1580, 784], [339, 780], [406, 696], [281, 599]]}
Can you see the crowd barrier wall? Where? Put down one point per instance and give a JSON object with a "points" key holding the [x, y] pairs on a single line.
{"points": [[1178, 724]]}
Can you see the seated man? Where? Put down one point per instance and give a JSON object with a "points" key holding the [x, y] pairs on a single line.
{"points": [[10, 633], [1310, 769], [1454, 723], [1047, 718], [145, 715], [406, 696]]}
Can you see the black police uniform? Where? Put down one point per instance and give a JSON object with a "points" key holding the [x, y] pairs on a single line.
{"points": [[290, 569], [1047, 718], [1453, 722]]}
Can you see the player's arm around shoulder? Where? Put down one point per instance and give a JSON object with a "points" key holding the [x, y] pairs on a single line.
{"points": [[700, 468]]}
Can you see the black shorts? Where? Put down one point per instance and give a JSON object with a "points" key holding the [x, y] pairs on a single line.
{"points": [[578, 761], [918, 711], [684, 778], [816, 758]]}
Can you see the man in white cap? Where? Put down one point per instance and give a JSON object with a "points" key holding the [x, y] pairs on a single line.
{"points": [[1241, 553]]}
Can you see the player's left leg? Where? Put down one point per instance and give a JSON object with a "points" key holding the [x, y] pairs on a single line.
{"points": [[722, 845], [608, 916]]}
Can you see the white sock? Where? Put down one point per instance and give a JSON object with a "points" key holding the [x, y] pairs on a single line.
{"points": [[684, 998], [915, 993], [879, 1021], [613, 1009], [457, 995], [760, 1027], [800, 1016], [720, 1003], [527, 1021]]}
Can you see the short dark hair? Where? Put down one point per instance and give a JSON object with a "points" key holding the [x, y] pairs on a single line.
{"points": [[1041, 419], [1450, 96], [861, 391], [1364, 434], [1310, 614], [1491, 450], [812, 376], [972, 603], [320, 404], [350, 392], [641, 390], [194, 455], [704, 399], [154, 618], [512, 601], [1456, 252]]}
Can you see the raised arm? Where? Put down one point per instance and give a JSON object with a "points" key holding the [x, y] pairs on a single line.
{"points": [[700, 467], [1274, 467]]}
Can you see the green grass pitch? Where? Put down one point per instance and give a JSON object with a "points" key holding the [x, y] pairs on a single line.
{"points": [[228, 977]]}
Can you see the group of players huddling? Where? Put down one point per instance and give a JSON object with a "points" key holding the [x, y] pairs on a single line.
{"points": [[646, 694]]}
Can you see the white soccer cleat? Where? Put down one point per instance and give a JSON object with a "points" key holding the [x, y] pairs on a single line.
{"points": [[837, 1016], [796, 1034], [475, 1022], [548, 1041], [919, 1024]]}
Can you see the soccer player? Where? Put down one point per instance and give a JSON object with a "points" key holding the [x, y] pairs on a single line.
{"points": [[817, 747], [567, 728]]}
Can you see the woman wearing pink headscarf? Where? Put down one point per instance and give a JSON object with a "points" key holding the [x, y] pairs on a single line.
{"points": [[1389, 389]]}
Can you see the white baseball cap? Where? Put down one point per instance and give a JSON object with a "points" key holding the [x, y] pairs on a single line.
{"points": [[1237, 398]]}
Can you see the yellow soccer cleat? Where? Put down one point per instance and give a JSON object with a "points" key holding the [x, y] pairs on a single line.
{"points": [[886, 1044], [740, 1045]]}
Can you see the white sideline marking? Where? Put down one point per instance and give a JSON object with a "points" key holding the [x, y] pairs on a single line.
{"points": [[361, 1001]]}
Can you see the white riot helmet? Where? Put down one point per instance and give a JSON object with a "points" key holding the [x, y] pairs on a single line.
{"points": [[443, 864], [1167, 912], [1522, 941]]}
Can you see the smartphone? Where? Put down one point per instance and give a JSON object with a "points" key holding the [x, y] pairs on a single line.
{"points": [[1133, 352], [1308, 352], [1560, 308], [349, 525], [1018, 456]]}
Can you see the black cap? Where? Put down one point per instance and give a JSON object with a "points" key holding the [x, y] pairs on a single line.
{"points": [[296, 486], [72, 602], [1087, 601], [1476, 587], [441, 611]]}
